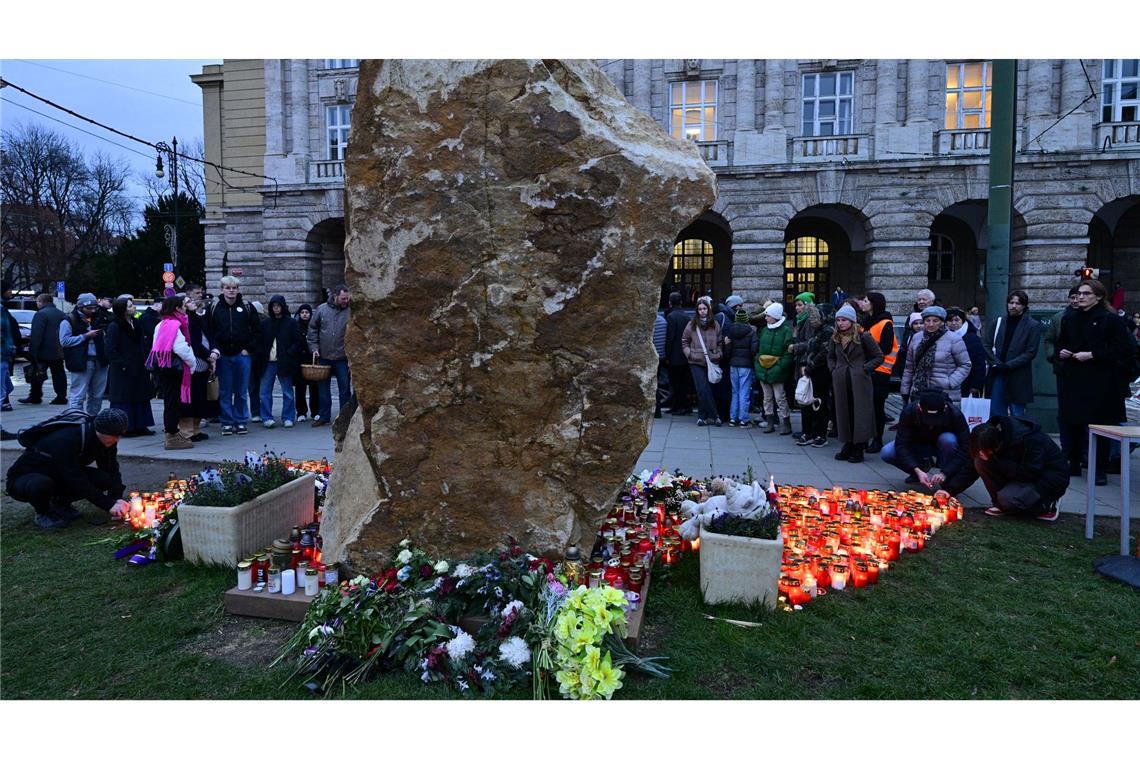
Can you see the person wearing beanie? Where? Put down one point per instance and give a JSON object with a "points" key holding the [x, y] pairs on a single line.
{"points": [[937, 359], [84, 354], [930, 427], [53, 471], [810, 338], [774, 363], [308, 392], [881, 327], [741, 343], [852, 356]]}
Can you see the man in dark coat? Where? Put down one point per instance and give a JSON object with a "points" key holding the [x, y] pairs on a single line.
{"points": [[1011, 343], [931, 426], [53, 471], [280, 351], [44, 350], [1024, 472], [233, 328], [1050, 343], [680, 379]]}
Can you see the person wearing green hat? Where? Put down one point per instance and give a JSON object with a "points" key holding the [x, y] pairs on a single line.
{"points": [[742, 343], [811, 336]]}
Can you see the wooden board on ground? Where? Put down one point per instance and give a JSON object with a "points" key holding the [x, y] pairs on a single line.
{"points": [[263, 604], [634, 617]]}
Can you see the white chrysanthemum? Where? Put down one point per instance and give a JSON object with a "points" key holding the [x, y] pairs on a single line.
{"points": [[514, 652], [405, 543], [442, 566], [461, 646], [463, 570], [514, 605], [404, 557]]}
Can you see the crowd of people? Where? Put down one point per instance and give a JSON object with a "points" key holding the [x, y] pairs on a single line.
{"points": [[208, 359], [836, 363]]}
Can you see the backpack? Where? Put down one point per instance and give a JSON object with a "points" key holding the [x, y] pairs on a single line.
{"points": [[30, 436]]}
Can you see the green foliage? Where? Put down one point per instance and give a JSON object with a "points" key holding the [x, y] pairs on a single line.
{"points": [[234, 483]]}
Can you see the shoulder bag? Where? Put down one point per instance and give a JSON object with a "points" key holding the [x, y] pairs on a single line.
{"points": [[714, 370]]}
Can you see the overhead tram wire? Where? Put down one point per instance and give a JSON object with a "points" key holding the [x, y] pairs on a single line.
{"points": [[110, 82], [4, 82]]}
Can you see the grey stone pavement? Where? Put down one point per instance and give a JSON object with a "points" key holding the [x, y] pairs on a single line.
{"points": [[675, 443]]}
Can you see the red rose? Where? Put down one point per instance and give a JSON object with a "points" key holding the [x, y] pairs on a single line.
{"points": [[502, 556], [516, 550], [425, 570]]}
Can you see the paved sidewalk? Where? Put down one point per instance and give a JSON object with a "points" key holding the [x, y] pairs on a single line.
{"points": [[675, 443]]}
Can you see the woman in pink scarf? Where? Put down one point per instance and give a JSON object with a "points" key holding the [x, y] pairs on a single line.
{"points": [[172, 341]]}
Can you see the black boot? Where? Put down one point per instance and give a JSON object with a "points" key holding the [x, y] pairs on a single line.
{"points": [[876, 446], [844, 452], [856, 453], [770, 420]]}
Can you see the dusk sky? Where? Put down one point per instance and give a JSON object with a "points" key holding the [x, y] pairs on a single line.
{"points": [[152, 99]]}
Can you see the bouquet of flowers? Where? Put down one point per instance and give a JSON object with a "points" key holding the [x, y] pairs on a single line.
{"points": [[233, 483]]}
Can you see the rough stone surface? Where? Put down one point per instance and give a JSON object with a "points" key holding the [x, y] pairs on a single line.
{"points": [[510, 223]]}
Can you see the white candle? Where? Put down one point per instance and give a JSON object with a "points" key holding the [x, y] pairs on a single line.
{"points": [[288, 582]]}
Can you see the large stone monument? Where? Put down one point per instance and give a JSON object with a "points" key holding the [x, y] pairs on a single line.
{"points": [[509, 226]]}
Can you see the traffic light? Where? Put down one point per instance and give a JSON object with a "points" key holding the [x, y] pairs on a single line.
{"points": [[1087, 273]]}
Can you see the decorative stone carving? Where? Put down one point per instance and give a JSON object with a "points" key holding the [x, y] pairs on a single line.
{"points": [[693, 67], [510, 223]]}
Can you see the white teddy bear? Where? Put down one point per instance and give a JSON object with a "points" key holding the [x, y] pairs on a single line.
{"points": [[748, 501]]}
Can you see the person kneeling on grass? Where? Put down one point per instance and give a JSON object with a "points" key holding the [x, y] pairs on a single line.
{"points": [[1023, 470], [930, 426], [52, 472]]}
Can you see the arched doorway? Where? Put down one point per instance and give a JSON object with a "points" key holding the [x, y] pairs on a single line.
{"points": [[325, 246], [702, 261], [956, 263], [825, 248], [1114, 247]]}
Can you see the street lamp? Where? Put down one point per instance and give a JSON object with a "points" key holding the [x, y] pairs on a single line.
{"points": [[171, 230]]}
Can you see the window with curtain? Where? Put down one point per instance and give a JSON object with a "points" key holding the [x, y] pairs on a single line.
{"points": [[692, 109]]}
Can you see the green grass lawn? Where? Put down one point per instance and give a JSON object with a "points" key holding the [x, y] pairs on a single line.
{"points": [[992, 609]]}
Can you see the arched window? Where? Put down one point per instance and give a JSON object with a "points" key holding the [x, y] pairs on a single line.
{"points": [[941, 263], [806, 266], [692, 269]]}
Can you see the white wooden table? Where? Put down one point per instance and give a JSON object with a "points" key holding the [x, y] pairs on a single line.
{"points": [[1125, 434]]}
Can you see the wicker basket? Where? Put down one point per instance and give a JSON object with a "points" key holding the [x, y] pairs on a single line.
{"points": [[226, 535], [316, 373]]}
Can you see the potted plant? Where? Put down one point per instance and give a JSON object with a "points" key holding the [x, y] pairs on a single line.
{"points": [[238, 508], [740, 557]]}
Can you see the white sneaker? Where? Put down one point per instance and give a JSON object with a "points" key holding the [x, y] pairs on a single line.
{"points": [[301, 418], [255, 419], [287, 423], [270, 424]]}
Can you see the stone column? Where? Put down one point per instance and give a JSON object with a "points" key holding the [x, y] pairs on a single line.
{"points": [[642, 84], [300, 93], [886, 91], [275, 101], [917, 90], [1074, 84], [1075, 131], [745, 94], [773, 95], [1039, 88]]}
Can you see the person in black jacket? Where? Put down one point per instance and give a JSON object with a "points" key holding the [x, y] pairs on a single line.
{"points": [[54, 472], [1023, 470], [975, 382], [280, 352], [1011, 343], [44, 350], [128, 382], [308, 393], [680, 379], [881, 324], [933, 426], [201, 408], [234, 329], [741, 344]]}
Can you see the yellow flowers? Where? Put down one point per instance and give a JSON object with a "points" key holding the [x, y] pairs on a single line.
{"points": [[585, 619]]}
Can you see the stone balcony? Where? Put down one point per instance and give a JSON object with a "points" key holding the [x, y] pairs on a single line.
{"points": [[963, 142], [715, 152], [1120, 135], [850, 147], [326, 171]]}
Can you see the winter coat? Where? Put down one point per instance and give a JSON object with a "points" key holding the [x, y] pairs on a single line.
{"points": [[659, 335], [692, 346], [777, 342], [1018, 361], [802, 333], [71, 330], [1028, 455], [63, 454], [851, 369], [43, 343], [976, 380], [1094, 391], [675, 323], [286, 332], [1050, 338], [8, 341], [951, 365], [814, 357], [128, 381], [233, 328], [326, 330], [744, 345], [916, 428]]}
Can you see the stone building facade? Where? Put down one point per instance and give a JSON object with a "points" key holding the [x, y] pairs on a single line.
{"points": [[854, 174]]}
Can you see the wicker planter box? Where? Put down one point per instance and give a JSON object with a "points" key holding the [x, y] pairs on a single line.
{"points": [[740, 569], [226, 535]]}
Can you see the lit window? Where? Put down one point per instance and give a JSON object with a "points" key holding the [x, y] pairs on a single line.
{"points": [[968, 95], [1121, 99], [692, 109], [693, 267], [807, 264], [337, 120], [828, 103], [341, 63], [940, 266]]}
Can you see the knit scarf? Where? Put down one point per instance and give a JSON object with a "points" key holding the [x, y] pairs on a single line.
{"points": [[802, 316], [163, 347], [924, 360]]}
